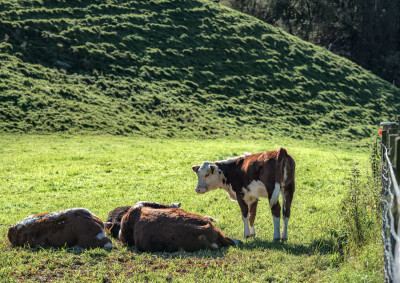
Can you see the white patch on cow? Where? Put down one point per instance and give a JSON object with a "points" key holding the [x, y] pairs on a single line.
{"points": [[214, 246], [230, 191], [284, 234], [284, 174], [254, 190], [101, 235], [32, 219], [108, 245], [277, 224], [246, 232], [233, 159], [275, 195]]}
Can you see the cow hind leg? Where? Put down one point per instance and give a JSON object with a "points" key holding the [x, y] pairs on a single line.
{"points": [[276, 212], [223, 240], [287, 198]]}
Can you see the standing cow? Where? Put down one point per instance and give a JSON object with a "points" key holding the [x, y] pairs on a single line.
{"points": [[248, 177]]}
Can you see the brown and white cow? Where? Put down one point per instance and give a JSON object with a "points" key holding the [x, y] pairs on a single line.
{"points": [[76, 227], [170, 229], [113, 222], [250, 176]]}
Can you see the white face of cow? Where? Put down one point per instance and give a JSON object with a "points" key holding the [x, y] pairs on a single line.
{"points": [[209, 177]]}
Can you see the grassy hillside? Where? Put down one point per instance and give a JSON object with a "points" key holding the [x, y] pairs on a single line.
{"points": [[175, 68]]}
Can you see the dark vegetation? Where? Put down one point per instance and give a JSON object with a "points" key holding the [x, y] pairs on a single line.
{"points": [[175, 68], [364, 31], [358, 231]]}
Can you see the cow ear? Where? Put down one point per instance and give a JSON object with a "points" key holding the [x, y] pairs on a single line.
{"points": [[195, 168], [212, 169]]}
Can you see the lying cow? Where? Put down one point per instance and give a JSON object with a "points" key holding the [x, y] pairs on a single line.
{"points": [[248, 177], [113, 222], [75, 227], [170, 229]]}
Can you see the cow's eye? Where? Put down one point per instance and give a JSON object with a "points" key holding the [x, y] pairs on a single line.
{"points": [[207, 175]]}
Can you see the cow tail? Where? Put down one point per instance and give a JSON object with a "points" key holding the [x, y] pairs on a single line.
{"points": [[285, 167], [280, 165]]}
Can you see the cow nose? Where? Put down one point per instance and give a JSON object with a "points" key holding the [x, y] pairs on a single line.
{"points": [[197, 190]]}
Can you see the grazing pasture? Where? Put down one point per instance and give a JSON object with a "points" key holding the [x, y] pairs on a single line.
{"points": [[50, 173]]}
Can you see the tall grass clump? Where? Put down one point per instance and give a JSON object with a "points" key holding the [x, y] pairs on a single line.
{"points": [[357, 236]]}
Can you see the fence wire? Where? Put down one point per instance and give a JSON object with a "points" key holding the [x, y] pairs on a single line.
{"points": [[390, 219]]}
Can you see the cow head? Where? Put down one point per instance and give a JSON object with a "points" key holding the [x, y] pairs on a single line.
{"points": [[209, 177], [107, 227]]}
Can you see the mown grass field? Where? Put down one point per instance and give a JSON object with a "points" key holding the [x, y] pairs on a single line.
{"points": [[54, 172]]}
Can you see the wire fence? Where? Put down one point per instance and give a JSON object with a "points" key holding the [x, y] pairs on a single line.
{"points": [[390, 219], [390, 174]]}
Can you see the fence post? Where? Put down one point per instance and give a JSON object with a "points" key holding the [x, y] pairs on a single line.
{"points": [[384, 136]]}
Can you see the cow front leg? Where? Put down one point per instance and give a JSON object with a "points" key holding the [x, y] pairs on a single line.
{"points": [[253, 212], [245, 216]]}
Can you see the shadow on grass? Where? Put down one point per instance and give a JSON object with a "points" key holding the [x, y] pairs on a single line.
{"points": [[321, 246], [318, 246], [206, 253]]}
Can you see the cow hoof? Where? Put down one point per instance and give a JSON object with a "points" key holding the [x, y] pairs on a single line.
{"points": [[214, 246], [237, 242], [284, 240], [252, 235], [108, 246], [277, 240]]}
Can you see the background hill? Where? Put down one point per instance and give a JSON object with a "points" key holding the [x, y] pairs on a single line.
{"points": [[175, 68]]}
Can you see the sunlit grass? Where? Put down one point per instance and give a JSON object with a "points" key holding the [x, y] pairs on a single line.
{"points": [[50, 173]]}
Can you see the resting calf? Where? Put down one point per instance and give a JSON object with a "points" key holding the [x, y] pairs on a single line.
{"points": [[113, 222], [170, 229], [72, 227]]}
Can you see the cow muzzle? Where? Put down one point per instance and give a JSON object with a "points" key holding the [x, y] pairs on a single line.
{"points": [[200, 190]]}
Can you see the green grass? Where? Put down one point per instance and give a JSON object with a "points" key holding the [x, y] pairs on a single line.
{"points": [[188, 68], [50, 173]]}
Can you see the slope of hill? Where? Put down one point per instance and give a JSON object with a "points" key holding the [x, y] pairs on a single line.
{"points": [[175, 68]]}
